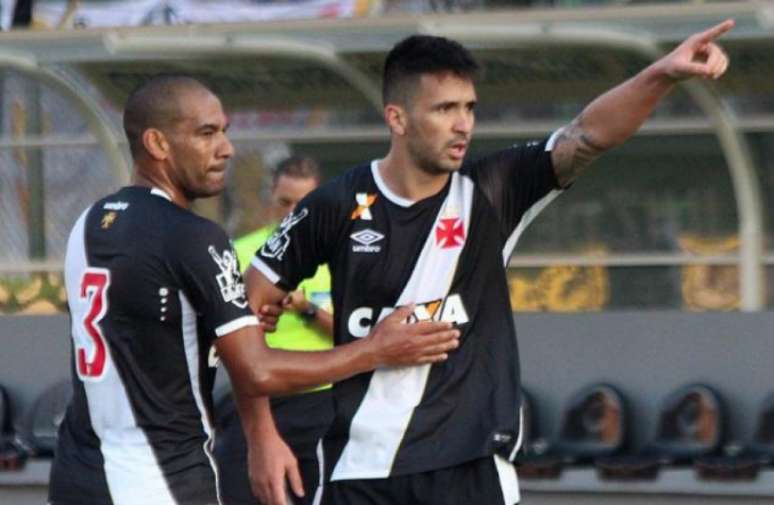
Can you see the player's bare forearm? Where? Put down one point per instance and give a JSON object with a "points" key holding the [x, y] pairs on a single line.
{"points": [[264, 297], [259, 370], [392, 342], [293, 371], [270, 461], [616, 115], [255, 415], [608, 121]]}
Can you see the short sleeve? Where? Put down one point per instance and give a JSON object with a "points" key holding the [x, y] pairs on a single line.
{"points": [[518, 182], [302, 241], [209, 273]]}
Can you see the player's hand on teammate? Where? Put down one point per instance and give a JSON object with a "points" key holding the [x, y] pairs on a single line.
{"points": [[268, 467], [269, 315], [396, 343], [295, 301], [698, 55]]}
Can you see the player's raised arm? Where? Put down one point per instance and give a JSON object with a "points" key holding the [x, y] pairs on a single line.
{"points": [[617, 114]]}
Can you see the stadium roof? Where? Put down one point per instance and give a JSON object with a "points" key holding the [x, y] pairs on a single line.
{"points": [[332, 62]]}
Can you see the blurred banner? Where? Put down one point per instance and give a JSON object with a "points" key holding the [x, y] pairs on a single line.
{"points": [[561, 288], [171, 12], [6, 13], [710, 287]]}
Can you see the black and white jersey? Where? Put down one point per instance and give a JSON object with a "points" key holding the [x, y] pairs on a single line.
{"points": [[447, 254], [150, 287]]}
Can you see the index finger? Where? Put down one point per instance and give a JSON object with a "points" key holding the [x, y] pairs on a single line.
{"points": [[716, 31], [401, 313], [428, 327]]}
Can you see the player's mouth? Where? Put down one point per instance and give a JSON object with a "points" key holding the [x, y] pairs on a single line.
{"points": [[216, 175], [458, 149]]}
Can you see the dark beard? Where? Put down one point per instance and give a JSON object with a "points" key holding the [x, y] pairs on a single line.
{"points": [[428, 166], [432, 168]]}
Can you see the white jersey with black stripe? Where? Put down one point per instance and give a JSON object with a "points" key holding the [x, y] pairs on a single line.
{"points": [[150, 287], [447, 254]]}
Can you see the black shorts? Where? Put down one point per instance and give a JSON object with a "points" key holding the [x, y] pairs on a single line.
{"points": [[485, 481], [301, 419], [74, 484]]}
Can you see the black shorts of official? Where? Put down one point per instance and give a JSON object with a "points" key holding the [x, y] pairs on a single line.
{"points": [[485, 481], [301, 419]]}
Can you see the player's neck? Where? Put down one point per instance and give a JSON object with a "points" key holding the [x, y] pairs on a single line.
{"points": [[404, 178], [142, 178]]}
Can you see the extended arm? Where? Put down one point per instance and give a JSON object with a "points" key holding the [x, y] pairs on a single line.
{"points": [[617, 114], [264, 371]]}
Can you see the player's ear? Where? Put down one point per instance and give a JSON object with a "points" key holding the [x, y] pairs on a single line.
{"points": [[155, 143], [395, 116]]}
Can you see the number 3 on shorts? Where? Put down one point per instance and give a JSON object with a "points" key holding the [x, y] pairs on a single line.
{"points": [[90, 345]]}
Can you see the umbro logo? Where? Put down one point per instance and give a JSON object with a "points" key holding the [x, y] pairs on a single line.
{"points": [[115, 206], [365, 241]]}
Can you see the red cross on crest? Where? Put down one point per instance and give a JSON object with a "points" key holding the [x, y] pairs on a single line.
{"points": [[450, 233]]}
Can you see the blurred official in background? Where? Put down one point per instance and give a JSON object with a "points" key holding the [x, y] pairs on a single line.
{"points": [[307, 325]]}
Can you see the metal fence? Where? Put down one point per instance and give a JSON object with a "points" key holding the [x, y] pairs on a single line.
{"points": [[677, 218]]}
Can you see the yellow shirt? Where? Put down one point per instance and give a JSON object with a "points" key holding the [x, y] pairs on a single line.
{"points": [[293, 332]]}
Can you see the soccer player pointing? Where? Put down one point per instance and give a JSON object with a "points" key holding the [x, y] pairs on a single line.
{"points": [[426, 225]]}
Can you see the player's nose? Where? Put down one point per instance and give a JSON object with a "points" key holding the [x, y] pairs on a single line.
{"points": [[464, 123], [226, 148]]}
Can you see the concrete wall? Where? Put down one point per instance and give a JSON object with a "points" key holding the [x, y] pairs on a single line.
{"points": [[645, 354], [648, 354], [34, 353]]}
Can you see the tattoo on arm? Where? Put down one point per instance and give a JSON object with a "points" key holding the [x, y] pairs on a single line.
{"points": [[574, 150]]}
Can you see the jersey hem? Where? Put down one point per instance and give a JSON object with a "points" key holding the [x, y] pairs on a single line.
{"points": [[265, 270], [236, 324], [412, 471]]}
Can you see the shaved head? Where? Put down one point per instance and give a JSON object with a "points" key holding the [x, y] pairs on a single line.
{"points": [[157, 103]]}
